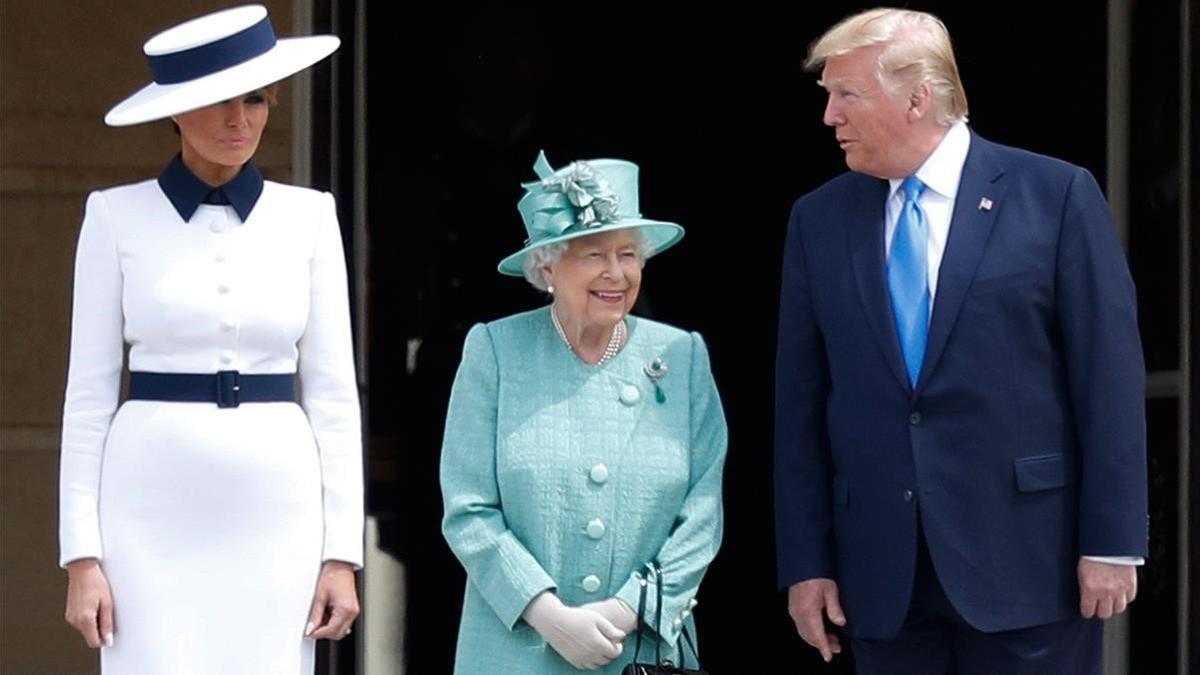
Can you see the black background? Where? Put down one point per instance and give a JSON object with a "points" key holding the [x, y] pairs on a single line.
{"points": [[714, 106]]}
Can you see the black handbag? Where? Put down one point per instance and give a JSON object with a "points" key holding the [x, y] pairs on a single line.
{"points": [[659, 666]]}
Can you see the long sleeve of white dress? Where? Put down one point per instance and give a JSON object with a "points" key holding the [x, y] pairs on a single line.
{"points": [[93, 382], [329, 393]]}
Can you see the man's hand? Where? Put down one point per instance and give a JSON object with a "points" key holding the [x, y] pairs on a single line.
{"points": [[809, 602], [1105, 589]]}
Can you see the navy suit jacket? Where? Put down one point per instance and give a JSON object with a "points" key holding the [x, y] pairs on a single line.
{"points": [[1022, 445]]}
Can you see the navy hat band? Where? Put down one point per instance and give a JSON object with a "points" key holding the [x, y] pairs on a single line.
{"points": [[213, 57]]}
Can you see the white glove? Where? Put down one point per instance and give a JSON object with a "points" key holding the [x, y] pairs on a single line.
{"points": [[583, 637], [617, 612]]}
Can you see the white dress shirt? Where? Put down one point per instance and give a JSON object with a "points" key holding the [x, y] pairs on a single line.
{"points": [[941, 174]]}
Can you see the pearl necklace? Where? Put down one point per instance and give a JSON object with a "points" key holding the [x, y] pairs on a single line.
{"points": [[614, 341]]}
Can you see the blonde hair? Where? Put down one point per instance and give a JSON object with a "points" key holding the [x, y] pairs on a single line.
{"points": [[916, 50]]}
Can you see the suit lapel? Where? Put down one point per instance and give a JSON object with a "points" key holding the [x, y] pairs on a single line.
{"points": [[865, 238], [980, 196]]}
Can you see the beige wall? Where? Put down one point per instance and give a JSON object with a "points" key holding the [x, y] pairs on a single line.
{"points": [[62, 65]]}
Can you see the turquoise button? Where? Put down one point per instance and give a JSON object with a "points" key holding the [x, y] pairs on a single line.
{"points": [[591, 583], [598, 474], [596, 529]]}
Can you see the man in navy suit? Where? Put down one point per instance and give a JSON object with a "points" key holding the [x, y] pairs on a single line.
{"points": [[960, 435]]}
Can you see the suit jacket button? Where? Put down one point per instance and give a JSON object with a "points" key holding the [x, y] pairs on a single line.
{"points": [[630, 394], [906, 495], [914, 419]]}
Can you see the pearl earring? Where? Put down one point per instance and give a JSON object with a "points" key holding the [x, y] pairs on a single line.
{"points": [[550, 289]]}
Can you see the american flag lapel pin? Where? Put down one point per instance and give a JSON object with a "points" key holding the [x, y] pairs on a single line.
{"points": [[985, 204]]}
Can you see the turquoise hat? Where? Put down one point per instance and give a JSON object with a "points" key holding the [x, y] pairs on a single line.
{"points": [[581, 199]]}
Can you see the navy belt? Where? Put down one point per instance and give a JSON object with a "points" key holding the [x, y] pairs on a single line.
{"points": [[227, 388]]}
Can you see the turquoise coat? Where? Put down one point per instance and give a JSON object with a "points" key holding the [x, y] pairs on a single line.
{"points": [[561, 475]]}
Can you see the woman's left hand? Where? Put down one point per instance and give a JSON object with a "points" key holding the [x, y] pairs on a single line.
{"points": [[335, 604], [617, 612]]}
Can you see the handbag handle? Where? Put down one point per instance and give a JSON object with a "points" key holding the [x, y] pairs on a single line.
{"points": [[653, 568], [637, 650]]}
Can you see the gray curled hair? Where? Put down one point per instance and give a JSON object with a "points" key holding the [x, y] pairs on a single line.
{"points": [[545, 256]]}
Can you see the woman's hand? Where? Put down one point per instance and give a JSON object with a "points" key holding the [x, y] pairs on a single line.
{"points": [[89, 602], [335, 604], [617, 612], [581, 636]]}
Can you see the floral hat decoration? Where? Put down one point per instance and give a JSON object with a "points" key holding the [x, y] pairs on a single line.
{"points": [[581, 199]]}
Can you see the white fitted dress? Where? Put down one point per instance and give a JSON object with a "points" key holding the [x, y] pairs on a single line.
{"points": [[210, 523]]}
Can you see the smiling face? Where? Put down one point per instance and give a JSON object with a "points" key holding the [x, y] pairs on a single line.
{"points": [[883, 134], [597, 279], [218, 139]]}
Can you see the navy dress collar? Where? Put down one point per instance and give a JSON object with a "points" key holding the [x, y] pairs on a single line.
{"points": [[186, 192]]}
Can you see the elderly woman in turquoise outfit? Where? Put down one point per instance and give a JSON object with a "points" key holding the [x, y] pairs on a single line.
{"points": [[582, 444]]}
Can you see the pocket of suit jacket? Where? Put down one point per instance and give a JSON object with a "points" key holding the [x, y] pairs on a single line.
{"points": [[1042, 472]]}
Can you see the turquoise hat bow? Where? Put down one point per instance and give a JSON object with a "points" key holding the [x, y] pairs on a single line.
{"points": [[581, 199]]}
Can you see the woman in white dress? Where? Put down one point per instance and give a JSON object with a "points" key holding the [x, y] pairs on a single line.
{"points": [[211, 524]]}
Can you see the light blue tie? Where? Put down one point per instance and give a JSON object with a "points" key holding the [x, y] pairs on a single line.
{"points": [[907, 275]]}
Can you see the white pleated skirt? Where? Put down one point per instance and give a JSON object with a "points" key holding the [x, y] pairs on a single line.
{"points": [[211, 523]]}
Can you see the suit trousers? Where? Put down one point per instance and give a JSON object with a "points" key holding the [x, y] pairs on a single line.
{"points": [[936, 640]]}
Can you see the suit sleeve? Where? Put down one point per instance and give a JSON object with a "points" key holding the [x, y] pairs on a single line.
{"points": [[498, 565], [93, 381], [329, 392], [803, 517], [696, 535], [1096, 306]]}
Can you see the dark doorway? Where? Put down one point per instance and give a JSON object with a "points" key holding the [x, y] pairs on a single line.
{"points": [[716, 109]]}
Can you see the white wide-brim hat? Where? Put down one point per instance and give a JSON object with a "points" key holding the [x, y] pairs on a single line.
{"points": [[214, 58]]}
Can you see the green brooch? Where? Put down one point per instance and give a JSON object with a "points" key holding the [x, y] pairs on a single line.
{"points": [[657, 370]]}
